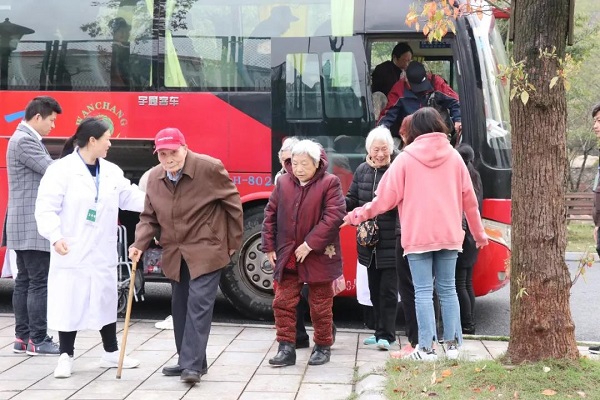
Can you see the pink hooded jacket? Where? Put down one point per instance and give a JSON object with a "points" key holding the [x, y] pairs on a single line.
{"points": [[430, 185]]}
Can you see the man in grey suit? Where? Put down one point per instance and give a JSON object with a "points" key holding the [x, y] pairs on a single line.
{"points": [[27, 159]]}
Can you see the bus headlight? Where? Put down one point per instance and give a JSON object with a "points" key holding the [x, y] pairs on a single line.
{"points": [[498, 232]]}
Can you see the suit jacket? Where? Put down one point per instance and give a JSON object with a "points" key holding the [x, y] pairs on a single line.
{"points": [[200, 218], [27, 160]]}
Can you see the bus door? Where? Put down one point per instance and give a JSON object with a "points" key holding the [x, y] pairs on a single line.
{"points": [[319, 90]]}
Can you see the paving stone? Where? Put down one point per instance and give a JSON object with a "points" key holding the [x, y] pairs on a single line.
{"points": [[225, 373], [370, 367], [156, 395], [12, 384], [266, 383], [312, 391], [44, 395], [236, 358], [250, 346], [371, 383], [267, 396], [372, 396], [215, 390], [473, 350], [257, 334], [77, 380], [328, 374], [99, 390]]}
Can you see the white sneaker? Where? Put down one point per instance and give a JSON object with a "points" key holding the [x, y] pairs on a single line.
{"points": [[451, 351], [64, 366], [422, 355], [166, 324], [111, 360]]}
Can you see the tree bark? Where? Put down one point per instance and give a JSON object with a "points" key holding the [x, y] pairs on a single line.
{"points": [[541, 324]]}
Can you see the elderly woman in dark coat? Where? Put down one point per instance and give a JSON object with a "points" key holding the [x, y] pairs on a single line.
{"points": [[379, 259], [301, 238]]}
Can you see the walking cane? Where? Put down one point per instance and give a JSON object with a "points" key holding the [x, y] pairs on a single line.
{"points": [[127, 316]]}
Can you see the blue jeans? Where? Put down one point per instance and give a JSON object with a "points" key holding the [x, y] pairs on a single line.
{"points": [[30, 295], [424, 267]]}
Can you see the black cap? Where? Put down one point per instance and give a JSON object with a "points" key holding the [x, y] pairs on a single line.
{"points": [[119, 23], [417, 77]]}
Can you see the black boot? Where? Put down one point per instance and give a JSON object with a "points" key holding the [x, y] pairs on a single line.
{"points": [[320, 355], [286, 355]]}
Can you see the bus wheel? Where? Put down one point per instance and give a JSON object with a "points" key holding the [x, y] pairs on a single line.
{"points": [[247, 282]]}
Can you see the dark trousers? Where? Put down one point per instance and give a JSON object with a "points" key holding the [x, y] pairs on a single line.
{"points": [[108, 334], [30, 295], [407, 294], [383, 287], [192, 305], [301, 310], [320, 301]]}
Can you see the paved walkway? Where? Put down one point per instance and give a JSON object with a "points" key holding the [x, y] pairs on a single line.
{"points": [[238, 367]]}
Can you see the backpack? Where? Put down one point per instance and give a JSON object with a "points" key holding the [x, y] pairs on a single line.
{"points": [[433, 102]]}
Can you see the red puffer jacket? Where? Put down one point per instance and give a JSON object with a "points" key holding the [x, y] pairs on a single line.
{"points": [[311, 213]]}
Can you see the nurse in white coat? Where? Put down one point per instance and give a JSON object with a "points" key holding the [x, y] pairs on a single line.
{"points": [[77, 211]]}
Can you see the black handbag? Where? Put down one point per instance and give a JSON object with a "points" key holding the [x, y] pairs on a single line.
{"points": [[367, 233]]}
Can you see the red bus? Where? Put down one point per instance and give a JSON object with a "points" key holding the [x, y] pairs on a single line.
{"points": [[237, 77]]}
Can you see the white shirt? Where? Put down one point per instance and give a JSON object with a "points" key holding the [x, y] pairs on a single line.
{"points": [[33, 130]]}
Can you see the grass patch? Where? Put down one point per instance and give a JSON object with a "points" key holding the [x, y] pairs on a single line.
{"points": [[489, 379], [580, 236]]}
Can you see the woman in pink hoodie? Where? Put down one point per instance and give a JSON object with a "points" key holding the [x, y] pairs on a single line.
{"points": [[430, 185]]}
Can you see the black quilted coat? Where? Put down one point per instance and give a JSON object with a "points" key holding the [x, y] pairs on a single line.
{"points": [[365, 181]]}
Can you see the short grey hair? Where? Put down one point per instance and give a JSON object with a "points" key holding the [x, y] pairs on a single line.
{"points": [[288, 144], [310, 148], [379, 133]]}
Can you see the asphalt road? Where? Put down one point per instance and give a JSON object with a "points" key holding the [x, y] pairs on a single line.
{"points": [[492, 311]]}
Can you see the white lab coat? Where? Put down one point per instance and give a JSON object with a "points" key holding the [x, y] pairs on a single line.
{"points": [[82, 285]]}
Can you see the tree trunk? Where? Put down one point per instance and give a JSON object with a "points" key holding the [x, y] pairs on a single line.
{"points": [[541, 325]]}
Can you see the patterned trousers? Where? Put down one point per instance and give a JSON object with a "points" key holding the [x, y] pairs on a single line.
{"points": [[320, 302]]}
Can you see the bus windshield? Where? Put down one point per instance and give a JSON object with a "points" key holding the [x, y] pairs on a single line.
{"points": [[497, 144]]}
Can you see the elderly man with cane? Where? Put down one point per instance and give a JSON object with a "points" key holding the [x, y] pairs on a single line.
{"points": [[195, 208]]}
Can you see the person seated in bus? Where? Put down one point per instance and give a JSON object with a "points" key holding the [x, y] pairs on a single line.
{"points": [[257, 47], [301, 237], [386, 74], [421, 89], [120, 72]]}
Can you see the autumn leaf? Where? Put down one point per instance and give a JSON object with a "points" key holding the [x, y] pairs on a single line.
{"points": [[446, 373], [553, 82], [477, 390], [492, 388], [524, 100], [549, 392]]}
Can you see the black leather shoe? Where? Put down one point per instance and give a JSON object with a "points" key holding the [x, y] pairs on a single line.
{"points": [[176, 370], [320, 355], [303, 343], [190, 376], [172, 370], [286, 355]]}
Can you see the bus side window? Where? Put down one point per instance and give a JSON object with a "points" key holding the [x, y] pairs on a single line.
{"points": [[303, 87], [342, 86]]}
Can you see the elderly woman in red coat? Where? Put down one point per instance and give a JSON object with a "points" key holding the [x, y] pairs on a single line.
{"points": [[301, 238]]}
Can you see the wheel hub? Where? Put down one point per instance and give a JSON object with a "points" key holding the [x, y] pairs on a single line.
{"points": [[256, 265]]}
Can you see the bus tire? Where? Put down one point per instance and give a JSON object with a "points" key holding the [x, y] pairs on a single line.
{"points": [[247, 282]]}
